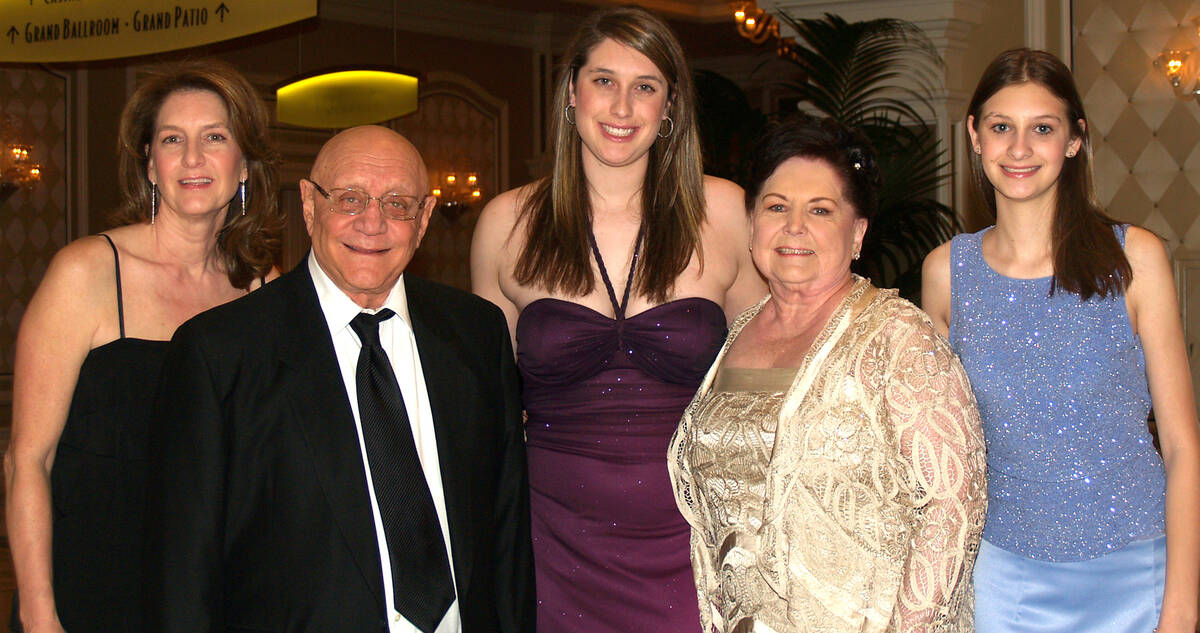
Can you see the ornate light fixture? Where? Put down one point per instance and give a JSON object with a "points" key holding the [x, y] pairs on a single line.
{"points": [[339, 98], [1173, 62], [456, 194], [16, 170], [345, 98], [758, 26]]}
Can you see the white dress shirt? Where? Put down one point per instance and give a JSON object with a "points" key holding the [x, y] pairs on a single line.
{"points": [[396, 338]]}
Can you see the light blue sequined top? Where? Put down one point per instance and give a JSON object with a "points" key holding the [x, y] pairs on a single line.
{"points": [[1061, 387]]}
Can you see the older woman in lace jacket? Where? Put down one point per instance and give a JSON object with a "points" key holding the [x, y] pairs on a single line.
{"points": [[831, 465]]}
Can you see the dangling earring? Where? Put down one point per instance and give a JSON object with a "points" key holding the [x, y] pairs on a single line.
{"points": [[153, 201], [242, 195], [567, 114], [670, 128]]}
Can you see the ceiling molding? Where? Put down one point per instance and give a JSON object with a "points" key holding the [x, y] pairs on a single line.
{"points": [[456, 18], [463, 19], [694, 10], [918, 11]]}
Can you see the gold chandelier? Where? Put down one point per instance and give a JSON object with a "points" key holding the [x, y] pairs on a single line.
{"points": [[456, 194], [17, 171]]}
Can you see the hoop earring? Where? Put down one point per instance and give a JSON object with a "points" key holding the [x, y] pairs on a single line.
{"points": [[242, 195], [153, 201], [670, 128], [567, 114]]}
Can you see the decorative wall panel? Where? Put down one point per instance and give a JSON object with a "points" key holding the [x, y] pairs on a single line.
{"points": [[458, 128], [33, 225], [1146, 140]]}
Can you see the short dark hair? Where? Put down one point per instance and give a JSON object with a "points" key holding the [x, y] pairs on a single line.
{"points": [[845, 149]]}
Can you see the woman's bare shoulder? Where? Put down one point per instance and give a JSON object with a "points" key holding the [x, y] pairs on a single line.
{"points": [[724, 198], [82, 263], [80, 281], [507, 207], [1143, 246], [500, 218]]}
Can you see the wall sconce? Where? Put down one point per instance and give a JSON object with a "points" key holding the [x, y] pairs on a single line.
{"points": [[456, 194], [1173, 63], [16, 170]]}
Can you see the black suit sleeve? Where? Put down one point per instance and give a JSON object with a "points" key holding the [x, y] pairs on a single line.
{"points": [[514, 550], [184, 510]]}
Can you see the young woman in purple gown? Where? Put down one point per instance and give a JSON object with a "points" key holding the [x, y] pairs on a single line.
{"points": [[618, 274]]}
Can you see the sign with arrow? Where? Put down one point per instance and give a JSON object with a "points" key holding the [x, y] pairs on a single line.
{"points": [[82, 30]]}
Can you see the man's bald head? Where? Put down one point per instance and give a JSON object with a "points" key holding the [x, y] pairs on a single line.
{"points": [[364, 254], [367, 139]]}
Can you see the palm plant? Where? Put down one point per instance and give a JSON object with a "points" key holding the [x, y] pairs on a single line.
{"points": [[876, 76]]}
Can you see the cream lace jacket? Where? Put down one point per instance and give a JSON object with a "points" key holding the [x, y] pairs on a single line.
{"points": [[875, 494]]}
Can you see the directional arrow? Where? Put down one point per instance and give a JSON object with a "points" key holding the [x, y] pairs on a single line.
{"points": [[221, 11], [12, 34]]}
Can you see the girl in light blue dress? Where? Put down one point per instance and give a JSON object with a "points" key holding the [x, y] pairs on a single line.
{"points": [[1067, 324]]}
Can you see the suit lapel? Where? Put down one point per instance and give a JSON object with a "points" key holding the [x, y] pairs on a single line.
{"points": [[444, 365], [318, 397]]}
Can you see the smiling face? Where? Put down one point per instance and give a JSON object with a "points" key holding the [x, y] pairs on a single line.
{"points": [[1022, 137], [805, 231], [620, 100], [365, 254], [194, 158]]}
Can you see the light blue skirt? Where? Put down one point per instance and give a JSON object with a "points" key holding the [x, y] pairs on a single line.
{"points": [[1119, 592]]}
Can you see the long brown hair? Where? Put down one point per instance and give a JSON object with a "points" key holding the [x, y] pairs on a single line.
{"points": [[248, 245], [1088, 259], [558, 211]]}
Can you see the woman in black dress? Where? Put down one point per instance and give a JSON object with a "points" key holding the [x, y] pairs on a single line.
{"points": [[197, 227]]}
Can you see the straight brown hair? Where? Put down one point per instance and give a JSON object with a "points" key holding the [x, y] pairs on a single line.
{"points": [[1088, 258], [558, 212], [249, 244]]}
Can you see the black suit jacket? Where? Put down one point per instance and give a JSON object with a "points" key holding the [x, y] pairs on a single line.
{"points": [[259, 517]]}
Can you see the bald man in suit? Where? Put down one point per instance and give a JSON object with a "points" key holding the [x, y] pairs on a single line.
{"points": [[272, 510]]}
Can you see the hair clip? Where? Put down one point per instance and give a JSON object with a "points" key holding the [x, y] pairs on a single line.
{"points": [[857, 165]]}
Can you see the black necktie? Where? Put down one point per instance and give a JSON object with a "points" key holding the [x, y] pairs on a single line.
{"points": [[421, 583]]}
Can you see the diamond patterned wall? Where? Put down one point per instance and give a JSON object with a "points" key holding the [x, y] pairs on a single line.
{"points": [[33, 225], [454, 134], [1146, 140]]}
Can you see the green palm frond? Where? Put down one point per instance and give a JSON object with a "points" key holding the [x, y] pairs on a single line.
{"points": [[853, 68], [878, 76]]}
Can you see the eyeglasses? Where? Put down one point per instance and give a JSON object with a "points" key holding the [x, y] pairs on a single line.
{"points": [[351, 201]]}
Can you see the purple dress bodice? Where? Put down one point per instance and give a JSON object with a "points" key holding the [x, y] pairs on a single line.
{"points": [[603, 397]]}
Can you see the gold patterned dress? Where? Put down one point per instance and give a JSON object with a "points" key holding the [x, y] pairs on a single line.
{"points": [[845, 495]]}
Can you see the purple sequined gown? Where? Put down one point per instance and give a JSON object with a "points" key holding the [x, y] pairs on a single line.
{"points": [[603, 397]]}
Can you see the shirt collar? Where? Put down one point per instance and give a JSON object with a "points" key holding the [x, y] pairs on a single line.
{"points": [[340, 309]]}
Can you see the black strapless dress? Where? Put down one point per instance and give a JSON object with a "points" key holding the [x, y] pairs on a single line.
{"points": [[98, 486]]}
